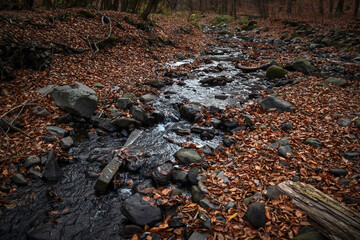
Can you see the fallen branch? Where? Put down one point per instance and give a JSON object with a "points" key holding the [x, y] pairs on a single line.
{"points": [[14, 157], [13, 127], [331, 218], [74, 50], [253, 69]]}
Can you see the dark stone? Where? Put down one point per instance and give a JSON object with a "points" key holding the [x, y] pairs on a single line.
{"points": [[175, 223], [176, 192], [52, 171], [207, 134], [140, 212], [148, 98], [189, 111], [273, 192], [199, 236], [48, 139], [206, 204], [230, 123], [142, 186], [107, 125], [344, 122], [34, 173], [187, 156], [256, 214], [57, 131], [125, 122], [337, 81], [123, 103], [351, 155], [338, 172], [216, 123], [205, 219], [43, 232], [158, 116], [285, 151], [287, 126], [180, 176], [193, 174], [19, 179], [196, 194], [31, 161], [130, 230], [310, 236], [230, 205], [228, 141], [278, 103], [313, 142], [301, 65], [65, 119], [39, 111], [66, 142], [157, 83], [162, 174], [91, 174]]}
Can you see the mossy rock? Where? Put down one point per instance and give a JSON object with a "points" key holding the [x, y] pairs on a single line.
{"points": [[337, 81], [276, 72], [86, 14], [252, 24]]}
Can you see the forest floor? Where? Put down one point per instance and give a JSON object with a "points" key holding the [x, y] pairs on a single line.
{"points": [[136, 55]]}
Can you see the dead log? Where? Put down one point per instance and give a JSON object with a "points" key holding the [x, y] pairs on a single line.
{"points": [[264, 66], [331, 218]]}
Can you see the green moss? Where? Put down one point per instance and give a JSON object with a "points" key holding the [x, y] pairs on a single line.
{"points": [[219, 19], [276, 72], [252, 24]]}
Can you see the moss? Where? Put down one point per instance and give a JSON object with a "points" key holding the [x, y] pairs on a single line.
{"points": [[219, 19], [276, 72], [252, 24]]}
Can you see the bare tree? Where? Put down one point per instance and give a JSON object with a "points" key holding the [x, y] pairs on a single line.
{"points": [[356, 8], [289, 6], [340, 6], [321, 7], [150, 7], [331, 6]]}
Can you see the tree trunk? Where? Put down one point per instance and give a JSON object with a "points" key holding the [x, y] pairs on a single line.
{"points": [[331, 6], [340, 6], [321, 7], [290, 6], [331, 218], [152, 5], [356, 8]]}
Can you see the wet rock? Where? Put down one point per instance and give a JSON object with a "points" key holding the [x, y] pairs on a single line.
{"points": [[255, 214], [65, 119], [338, 172], [130, 230], [301, 65], [344, 122], [162, 174], [230, 123], [230, 205], [106, 125], [276, 72], [215, 81], [123, 103], [196, 194], [157, 83], [34, 173], [357, 123], [228, 141], [124, 122], [285, 151], [5, 189], [76, 99], [31, 161], [142, 186], [205, 219], [176, 192], [148, 98], [273, 192], [189, 111], [199, 236], [140, 212], [57, 131], [344, 181], [193, 175], [39, 111], [131, 96], [313, 142], [206, 204], [207, 134], [66, 142], [222, 176], [287, 126], [180, 176], [107, 174], [278, 103], [337, 81], [188, 156], [19, 179], [351, 155], [52, 171], [42, 232], [248, 119], [158, 116]]}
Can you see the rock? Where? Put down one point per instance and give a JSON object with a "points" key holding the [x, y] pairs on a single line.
{"points": [[31, 161], [196, 194], [189, 111], [107, 175], [199, 236], [141, 115], [66, 142], [98, 85], [255, 214], [313, 142], [158, 116], [206, 204], [52, 171], [76, 99], [107, 125], [34, 173], [180, 176], [131, 96], [357, 123], [344, 122], [162, 174], [125, 122], [187, 156], [344, 181], [215, 81], [257, 195], [193, 175], [276, 72], [351, 155], [42, 232], [142, 186], [301, 65], [228, 141], [91, 174], [46, 90], [287, 126], [205, 219], [216, 123], [337, 81], [230, 123], [123, 103], [48, 139], [285, 151], [223, 177], [140, 212], [19, 179], [230, 205], [278, 103], [130, 230], [175, 192], [338, 172], [248, 119], [57, 131], [39, 111], [175, 223], [157, 83], [148, 98], [180, 56], [273, 192], [65, 119], [310, 236]]}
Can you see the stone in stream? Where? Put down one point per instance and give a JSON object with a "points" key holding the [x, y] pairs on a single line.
{"points": [[66, 142], [140, 212], [65, 119], [276, 72], [199, 236], [52, 171], [125, 122], [31, 161], [57, 131], [130, 230], [188, 156], [337, 81], [19, 179], [278, 103], [301, 64], [77, 99], [228, 141], [141, 115], [255, 214], [285, 151], [34, 173], [156, 83], [313, 142], [158, 116], [107, 125], [216, 123], [39, 111], [344, 122], [112, 167], [189, 111], [162, 174], [148, 98]]}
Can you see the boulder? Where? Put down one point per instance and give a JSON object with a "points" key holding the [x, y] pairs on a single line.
{"points": [[193, 175], [338, 172], [255, 214], [273, 192], [157, 83], [276, 72], [162, 174], [278, 103], [206, 204], [187, 156], [77, 99], [301, 65], [337, 81], [140, 212], [180, 176], [148, 97], [125, 122]]}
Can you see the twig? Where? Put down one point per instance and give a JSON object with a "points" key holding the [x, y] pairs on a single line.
{"points": [[9, 158], [75, 50], [13, 127]]}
